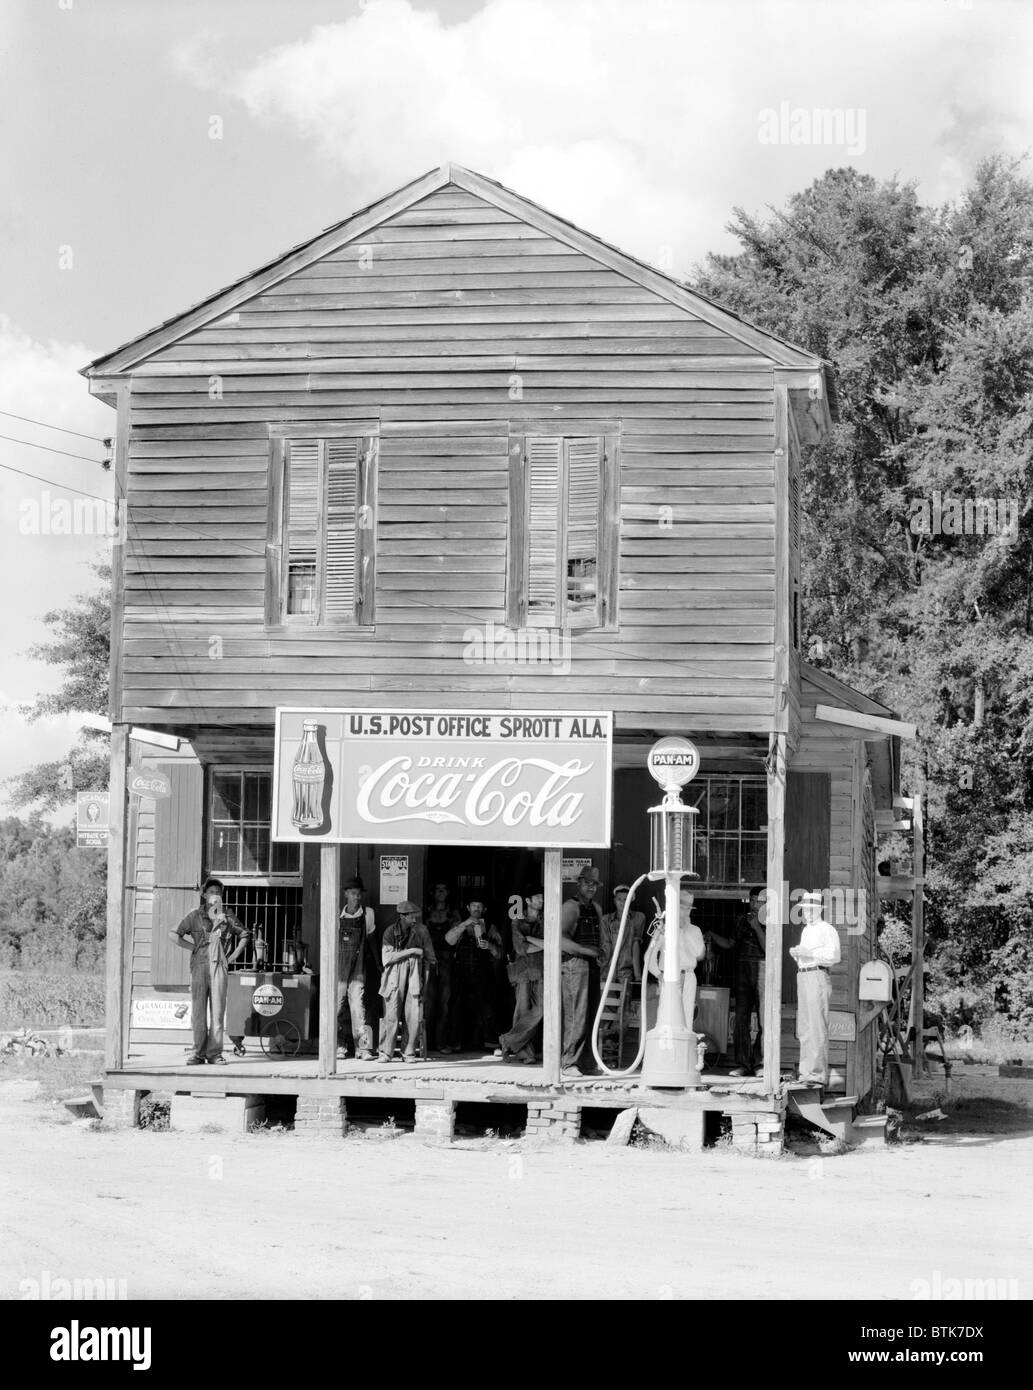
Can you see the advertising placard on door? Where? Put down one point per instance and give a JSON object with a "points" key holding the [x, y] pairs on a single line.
{"points": [[394, 879]]}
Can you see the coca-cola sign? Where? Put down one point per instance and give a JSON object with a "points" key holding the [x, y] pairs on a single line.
{"points": [[144, 781], [447, 777]]}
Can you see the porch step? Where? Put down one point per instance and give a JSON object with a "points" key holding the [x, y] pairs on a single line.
{"points": [[83, 1107], [867, 1131], [833, 1115]]}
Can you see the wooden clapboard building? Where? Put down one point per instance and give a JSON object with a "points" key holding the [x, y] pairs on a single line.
{"points": [[454, 452]]}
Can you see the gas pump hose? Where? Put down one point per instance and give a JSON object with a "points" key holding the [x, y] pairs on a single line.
{"points": [[609, 980]]}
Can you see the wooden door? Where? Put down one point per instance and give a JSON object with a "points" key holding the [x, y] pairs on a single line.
{"points": [[178, 839], [807, 821]]}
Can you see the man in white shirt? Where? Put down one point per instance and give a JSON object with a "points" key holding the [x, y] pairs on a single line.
{"points": [[815, 956]]}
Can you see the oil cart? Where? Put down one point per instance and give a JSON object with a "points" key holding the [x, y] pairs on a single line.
{"points": [[277, 1007]]}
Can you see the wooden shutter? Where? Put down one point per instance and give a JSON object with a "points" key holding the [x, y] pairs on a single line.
{"points": [[581, 530], [178, 836], [544, 457], [367, 531], [340, 574], [795, 521], [303, 511]]}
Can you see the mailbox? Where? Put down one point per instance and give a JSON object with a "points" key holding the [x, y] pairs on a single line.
{"points": [[876, 982]]}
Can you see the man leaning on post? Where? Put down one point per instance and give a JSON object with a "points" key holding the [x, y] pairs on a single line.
{"points": [[818, 951], [214, 938], [582, 951]]}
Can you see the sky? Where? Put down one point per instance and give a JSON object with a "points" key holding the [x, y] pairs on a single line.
{"points": [[153, 151]]}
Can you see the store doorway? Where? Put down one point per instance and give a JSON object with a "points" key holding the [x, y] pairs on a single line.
{"points": [[498, 877]]}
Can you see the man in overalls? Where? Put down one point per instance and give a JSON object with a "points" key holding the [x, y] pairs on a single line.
{"points": [[356, 951], [215, 939], [581, 945]]}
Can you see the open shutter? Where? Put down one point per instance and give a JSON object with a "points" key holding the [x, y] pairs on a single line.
{"points": [[178, 830], [584, 461], [367, 531], [795, 617], [340, 579], [302, 525], [544, 476]]}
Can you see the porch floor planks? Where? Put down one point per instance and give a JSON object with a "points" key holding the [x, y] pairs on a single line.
{"points": [[465, 1079]]}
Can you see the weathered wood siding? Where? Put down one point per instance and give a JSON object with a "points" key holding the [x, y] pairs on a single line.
{"points": [[445, 328]]}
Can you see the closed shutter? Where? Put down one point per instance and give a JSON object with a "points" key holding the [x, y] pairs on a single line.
{"points": [[302, 525], [544, 475], [340, 580], [584, 461], [178, 836]]}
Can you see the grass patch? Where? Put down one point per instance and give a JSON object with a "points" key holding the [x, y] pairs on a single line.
{"points": [[996, 1041], [39, 999], [978, 1115], [57, 1076]]}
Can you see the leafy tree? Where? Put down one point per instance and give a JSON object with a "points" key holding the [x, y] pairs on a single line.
{"points": [[927, 316], [81, 647], [52, 898]]}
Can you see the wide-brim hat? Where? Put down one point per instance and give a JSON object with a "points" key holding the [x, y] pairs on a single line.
{"points": [[356, 883], [814, 899]]}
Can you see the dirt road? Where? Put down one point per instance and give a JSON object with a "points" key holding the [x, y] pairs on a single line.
{"points": [[272, 1214]]}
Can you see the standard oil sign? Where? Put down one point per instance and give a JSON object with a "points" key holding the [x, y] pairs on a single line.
{"points": [[529, 779]]}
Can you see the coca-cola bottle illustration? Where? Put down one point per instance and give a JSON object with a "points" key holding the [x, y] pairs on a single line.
{"points": [[308, 775]]}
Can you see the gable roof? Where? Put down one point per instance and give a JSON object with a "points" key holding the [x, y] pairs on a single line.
{"points": [[123, 358]]}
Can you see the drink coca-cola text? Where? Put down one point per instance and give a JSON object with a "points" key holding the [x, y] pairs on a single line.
{"points": [[480, 798]]}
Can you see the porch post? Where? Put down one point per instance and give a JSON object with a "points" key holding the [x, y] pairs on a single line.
{"points": [[118, 929], [775, 906], [329, 884], [551, 998], [918, 927]]}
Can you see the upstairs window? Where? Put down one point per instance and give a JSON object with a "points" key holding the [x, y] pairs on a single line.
{"points": [[322, 546], [563, 532], [240, 844]]}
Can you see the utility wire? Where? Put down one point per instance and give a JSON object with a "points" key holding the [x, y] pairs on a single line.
{"points": [[51, 482], [60, 428], [29, 445]]}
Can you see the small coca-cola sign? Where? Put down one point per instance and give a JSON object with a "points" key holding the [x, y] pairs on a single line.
{"points": [[144, 781]]}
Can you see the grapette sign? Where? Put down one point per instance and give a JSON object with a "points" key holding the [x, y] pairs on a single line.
{"points": [[444, 777]]}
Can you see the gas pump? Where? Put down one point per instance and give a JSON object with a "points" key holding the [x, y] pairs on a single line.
{"points": [[669, 1048]]}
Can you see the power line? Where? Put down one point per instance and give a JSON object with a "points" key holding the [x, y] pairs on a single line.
{"points": [[29, 445], [60, 428], [51, 482]]}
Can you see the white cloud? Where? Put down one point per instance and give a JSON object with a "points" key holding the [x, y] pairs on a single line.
{"points": [[640, 121]]}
